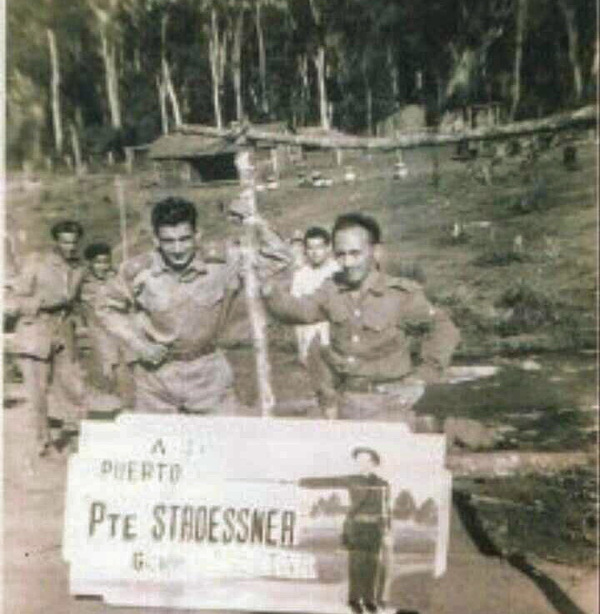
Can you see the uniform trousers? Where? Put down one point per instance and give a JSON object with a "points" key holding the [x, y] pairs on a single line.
{"points": [[391, 404], [54, 387], [202, 385]]}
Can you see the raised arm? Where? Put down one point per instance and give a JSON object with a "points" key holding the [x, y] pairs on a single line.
{"points": [[325, 482], [295, 310]]}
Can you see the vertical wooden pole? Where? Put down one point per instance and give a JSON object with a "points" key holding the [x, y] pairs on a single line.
{"points": [[256, 310], [129, 155], [122, 216], [275, 161]]}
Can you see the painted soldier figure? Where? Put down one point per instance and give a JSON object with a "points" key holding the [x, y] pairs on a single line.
{"points": [[373, 318], [169, 306], [367, 529], [45, 295]]}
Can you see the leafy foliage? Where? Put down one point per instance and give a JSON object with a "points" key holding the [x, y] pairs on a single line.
{"points": [[379, 55]]}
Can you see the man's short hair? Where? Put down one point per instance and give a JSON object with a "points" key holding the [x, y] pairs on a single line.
{"points": [[362, 450], [66, 226], [96, 249], [172, 211], [317, 232], [358, 220]]}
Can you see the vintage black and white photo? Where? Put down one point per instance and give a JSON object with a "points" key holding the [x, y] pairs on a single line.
{"points": [[300, 306]]}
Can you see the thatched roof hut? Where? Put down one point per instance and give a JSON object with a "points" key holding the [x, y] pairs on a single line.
{"points": [[210, 159]]}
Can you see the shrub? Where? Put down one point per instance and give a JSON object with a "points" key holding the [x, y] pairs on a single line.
{"points": [[500, 257]]}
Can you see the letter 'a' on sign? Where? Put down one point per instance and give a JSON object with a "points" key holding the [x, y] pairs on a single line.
{"points": [[158, 447], [277, 515]]}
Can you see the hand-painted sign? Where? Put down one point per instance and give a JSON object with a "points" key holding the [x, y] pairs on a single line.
{"points": [[255, 514]]}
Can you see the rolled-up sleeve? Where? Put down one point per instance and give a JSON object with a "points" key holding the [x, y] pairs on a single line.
{"points": [[115, 310], [274, 255], [297, 310]]}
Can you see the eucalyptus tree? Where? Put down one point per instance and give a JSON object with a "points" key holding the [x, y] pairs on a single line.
{"points": [[108, 16], [570, 10]]}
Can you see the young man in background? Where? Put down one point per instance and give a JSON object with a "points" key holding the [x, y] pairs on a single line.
{"points": [[44, 298]]}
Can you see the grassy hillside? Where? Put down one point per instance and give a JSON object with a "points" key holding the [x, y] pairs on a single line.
{"points": [[520, 275]]}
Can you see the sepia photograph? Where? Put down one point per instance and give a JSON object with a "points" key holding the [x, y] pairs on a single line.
{"points": [[300, 306]]}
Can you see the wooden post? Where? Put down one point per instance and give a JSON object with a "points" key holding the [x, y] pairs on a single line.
{"points": [[275, 161], [251, 286], [122, 216], [129, 160]]}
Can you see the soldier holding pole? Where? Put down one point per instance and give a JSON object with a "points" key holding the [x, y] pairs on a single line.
{"points": [[168, 307]]}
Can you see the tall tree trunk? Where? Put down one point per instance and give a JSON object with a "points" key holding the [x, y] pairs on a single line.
{"points": [[262, 59], [112, 79], [168, 89], [368, 96], [319, 60], [521, 25], [393, 71], [162, 101], [569, 14], [76, 147], [55, 91], [217, 45], [304, 86], [236, 64]]}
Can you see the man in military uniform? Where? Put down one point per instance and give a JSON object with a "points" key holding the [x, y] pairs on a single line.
{"points": [[44, 296], [367, 529], [169, 305], [107, 353], [373, 317]]}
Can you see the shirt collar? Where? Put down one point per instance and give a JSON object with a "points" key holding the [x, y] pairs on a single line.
{"points": [[196, 267], [374, 283], [59, 259]]}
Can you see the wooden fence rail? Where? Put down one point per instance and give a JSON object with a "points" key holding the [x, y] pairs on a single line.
{"points": [[586, 117]]}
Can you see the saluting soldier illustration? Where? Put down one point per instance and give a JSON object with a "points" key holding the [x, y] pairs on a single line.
{"points": [[367, 529]]}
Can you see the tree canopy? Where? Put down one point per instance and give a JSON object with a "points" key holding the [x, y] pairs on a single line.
{"points": [[111, 73]]}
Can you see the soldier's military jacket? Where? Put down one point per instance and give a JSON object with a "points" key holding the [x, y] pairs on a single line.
{"points": [[370, 335], [184, 310], [369, 516], [105, 345], [47, 288]]}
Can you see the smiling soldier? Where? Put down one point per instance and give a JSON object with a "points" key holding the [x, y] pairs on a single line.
{"points": [[45, 296], [169, 306], [372, 317]]}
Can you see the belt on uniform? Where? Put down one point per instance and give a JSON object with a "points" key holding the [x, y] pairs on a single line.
{"points": [[367, 518], [190, 355], [362, 384]]}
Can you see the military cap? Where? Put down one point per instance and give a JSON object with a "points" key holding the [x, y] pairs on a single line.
{"points": [[363, 450]]}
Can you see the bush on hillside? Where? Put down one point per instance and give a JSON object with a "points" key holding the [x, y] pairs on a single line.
{"points": [[530, 310], [500, 257]]}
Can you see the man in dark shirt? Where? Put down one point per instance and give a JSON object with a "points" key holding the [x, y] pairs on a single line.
{"points": [[372, 318], [367, 528]]}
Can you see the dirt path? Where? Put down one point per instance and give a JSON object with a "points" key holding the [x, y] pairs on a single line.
{"points": [[36, 578]]}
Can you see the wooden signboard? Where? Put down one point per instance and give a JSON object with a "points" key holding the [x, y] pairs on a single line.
{"points": [[255, 514]]}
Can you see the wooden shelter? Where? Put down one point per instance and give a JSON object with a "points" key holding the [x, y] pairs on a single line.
{"points": [[197, 158]]}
